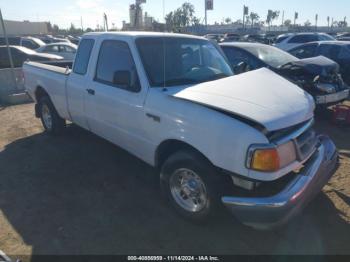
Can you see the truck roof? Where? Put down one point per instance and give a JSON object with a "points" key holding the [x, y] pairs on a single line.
{"points": [[136, 34]]}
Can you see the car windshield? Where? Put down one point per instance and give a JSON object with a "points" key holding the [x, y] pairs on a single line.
{"points": [[272, 56], [171, 61]]}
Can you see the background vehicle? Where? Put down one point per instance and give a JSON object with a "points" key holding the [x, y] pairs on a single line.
{"points": [[65, 50], [123, 89], [21, 54], [319, 77], [49, 39], [338, 51], [215, 37], [28, 42], [288, 41], [258, 38], [74, 39], [229, 37], [343, 37]]}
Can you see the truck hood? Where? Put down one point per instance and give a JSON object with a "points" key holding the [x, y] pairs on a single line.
{"points": [[319, 65], [260, 96]]}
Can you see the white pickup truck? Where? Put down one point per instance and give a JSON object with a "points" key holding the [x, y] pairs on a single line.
{"points": [[243, 141]]}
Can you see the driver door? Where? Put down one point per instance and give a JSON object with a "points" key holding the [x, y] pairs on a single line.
{"points": [[114, 110]]}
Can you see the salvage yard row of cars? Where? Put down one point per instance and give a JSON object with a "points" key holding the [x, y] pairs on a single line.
{"points": [[34, 49], [219, 129]]}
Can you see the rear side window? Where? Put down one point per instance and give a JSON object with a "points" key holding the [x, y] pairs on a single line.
{"points": [[330, 51], [236, 56], [303, 39], [281, 39], [305, 51], [29, 44], [83, 56], [115, 56], [52, 48]]}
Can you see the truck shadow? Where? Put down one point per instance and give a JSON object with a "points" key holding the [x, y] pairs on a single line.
{"points": [[78, 194]]}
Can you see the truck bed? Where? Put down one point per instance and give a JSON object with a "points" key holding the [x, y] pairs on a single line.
{"points": [[61, 67], [52, 79]]}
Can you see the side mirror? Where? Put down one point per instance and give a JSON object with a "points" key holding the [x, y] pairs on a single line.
{"points": [[242, 67], [127, 79], [122, 78]]}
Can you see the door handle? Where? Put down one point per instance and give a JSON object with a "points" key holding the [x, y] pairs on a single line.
{"points": [[91, 91]]}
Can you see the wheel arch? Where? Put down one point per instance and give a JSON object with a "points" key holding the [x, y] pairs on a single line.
{"points": [[39, 93], [170, 146]]}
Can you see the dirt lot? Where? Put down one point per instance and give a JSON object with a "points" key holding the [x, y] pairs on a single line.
{"points": [[78, 194]]}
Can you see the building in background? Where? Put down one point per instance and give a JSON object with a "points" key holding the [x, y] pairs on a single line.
{"points": [[136, 16], [25, 28]]}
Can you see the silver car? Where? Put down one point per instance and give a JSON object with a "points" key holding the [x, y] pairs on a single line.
{"points": [[65, 50]]}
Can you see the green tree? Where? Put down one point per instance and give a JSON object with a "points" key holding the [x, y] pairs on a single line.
{"points": [[271, 16], [254, 17], [228, 20], [288, 22], [307, 23], [181, 17]]}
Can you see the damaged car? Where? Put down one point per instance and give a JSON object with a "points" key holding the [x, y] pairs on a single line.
{"points": [[319, 76]]}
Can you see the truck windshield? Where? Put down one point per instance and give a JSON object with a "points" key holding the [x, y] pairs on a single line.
{"points": [[171, 61]]}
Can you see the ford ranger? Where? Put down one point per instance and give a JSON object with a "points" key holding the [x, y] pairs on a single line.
{"points": [[246, 142]]}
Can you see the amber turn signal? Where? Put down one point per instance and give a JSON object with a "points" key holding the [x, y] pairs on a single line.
{"points": [[266, 160]]}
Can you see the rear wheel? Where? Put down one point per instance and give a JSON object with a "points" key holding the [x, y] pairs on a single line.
{"points": [[50, 119], [192, 185]]}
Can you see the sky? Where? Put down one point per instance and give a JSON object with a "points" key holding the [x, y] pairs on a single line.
{"points": [[65, 12]]}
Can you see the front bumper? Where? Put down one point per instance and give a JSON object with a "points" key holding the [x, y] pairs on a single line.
{"points": [[332, 98], [270, 212]]}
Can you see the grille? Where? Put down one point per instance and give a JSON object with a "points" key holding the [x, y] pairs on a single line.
{"points": [[306, 144]]}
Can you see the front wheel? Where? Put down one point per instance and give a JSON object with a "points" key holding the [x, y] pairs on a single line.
{"points": [[192, 185], [50, 119]]}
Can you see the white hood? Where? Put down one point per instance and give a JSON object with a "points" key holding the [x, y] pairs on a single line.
{"points": [[260, 95]]}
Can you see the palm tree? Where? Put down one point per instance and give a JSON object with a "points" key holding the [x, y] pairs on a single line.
{"points": [[254, 17], [271, 16]]}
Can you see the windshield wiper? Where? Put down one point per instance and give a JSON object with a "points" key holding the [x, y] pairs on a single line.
{"points": [[177, 81]]}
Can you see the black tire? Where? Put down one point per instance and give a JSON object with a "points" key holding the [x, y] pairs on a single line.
{"points": [[214, 184], [57, 123]]}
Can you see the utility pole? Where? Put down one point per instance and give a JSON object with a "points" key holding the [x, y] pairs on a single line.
{"points": [[328, 19], [296, 15], [8, 49], [245, 12], [283, 18], [206, 14], [332, 23], [81, 24], [316, 20], [105, 22], [209, 5]]}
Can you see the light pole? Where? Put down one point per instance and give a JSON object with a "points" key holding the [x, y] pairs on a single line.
{"points": [[8, 49]]}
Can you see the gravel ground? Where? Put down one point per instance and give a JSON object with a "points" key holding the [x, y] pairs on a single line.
{"points": [[78, 194]]}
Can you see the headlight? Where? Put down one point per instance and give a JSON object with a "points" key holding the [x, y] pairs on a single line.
{"points": [[271, 158]]}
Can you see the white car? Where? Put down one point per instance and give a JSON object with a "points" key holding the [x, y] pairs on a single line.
{"points": [[172, 101], [65, 50], [289, 41]]}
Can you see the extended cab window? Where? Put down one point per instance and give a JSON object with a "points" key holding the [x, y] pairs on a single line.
{"points": [[116, 66], [83, 56]]}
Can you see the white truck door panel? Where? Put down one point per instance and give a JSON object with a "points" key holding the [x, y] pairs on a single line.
{"points": [[77, 84], [116, 111], [76, 92]]}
